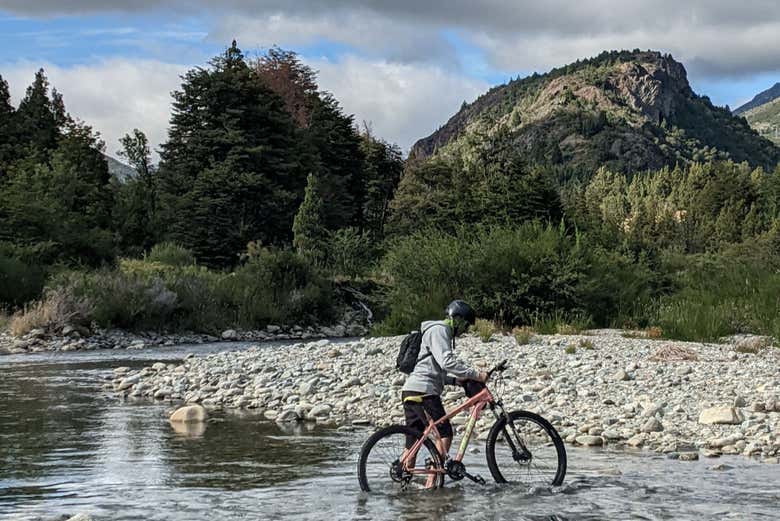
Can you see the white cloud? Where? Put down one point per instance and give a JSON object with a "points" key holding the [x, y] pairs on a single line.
{"points": [[113, 96], [403, 102]]}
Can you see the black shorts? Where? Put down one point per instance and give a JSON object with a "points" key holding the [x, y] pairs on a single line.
{"points": [[414, 412]]}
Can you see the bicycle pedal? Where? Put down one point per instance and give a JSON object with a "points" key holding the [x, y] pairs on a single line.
{"points": [[475, 478]]}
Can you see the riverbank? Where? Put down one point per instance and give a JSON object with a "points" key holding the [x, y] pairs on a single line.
{"points": [[79, 339], [679, 398]]}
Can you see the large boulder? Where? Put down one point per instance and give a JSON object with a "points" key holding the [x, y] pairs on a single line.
{"points": [[190, 414], [230, 334], [720, 415]]}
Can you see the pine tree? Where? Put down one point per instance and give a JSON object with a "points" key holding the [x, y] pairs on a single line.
{"points": [[309, 234], [135, 210], [38, 118], [232, 153], [382, 167], [8, 130]]}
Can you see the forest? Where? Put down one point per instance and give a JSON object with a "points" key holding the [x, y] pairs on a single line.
{"points": [[269, 202]]}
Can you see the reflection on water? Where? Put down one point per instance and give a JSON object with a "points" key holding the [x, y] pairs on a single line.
{"points": [[67, 447]]}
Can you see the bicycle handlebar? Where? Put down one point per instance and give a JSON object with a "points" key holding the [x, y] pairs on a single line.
{"points": [[500, 367]]}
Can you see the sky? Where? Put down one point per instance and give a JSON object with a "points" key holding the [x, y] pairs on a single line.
{"points": [[402, 66]]}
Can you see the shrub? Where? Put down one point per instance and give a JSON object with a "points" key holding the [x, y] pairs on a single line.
{"points": [[485, 329], [570, 349], [523, 335], [170, 254], [20, 282], [271, 287], [510, 275], [56, 310], [350, 252], [560, 323]]}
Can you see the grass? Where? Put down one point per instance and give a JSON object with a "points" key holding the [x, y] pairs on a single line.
{"points": [[586, 344], [485, 329], [56, 310], [653, 332], [560, 323], [570, 349], [523, 335], [166, 292]]}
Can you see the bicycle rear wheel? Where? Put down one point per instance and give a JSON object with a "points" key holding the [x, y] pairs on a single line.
{"points": [[380, 469], [523, 447]]}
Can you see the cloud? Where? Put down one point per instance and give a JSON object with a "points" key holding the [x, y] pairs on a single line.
{"points": [[113, 96], [717, 37], [402, 102]]}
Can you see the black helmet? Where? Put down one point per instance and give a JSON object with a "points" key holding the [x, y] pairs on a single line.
{"points": [[458, 308]]}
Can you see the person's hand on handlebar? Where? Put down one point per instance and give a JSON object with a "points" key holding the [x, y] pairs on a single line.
{"points": [[483, 376]]}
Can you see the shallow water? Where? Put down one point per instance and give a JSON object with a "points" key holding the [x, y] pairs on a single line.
{"points": [[67, 447]]}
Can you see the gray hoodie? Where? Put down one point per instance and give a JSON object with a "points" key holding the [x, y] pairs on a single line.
{"points": [[431, 372]]}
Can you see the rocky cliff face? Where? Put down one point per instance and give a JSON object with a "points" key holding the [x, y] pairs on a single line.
{"points": [[627, 110]]}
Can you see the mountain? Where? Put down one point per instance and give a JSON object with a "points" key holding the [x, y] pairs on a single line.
{"points": [[118, 169], [770, 94], [627, 110], [765, 119]]}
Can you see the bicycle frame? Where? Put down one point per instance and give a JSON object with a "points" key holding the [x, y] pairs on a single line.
{"points": [[478, 402]]}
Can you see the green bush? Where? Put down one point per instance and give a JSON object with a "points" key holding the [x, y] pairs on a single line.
{"points": [[514, 276], [20, 282], [350, 252], [271, 287], [170, 254], [720, 295]]}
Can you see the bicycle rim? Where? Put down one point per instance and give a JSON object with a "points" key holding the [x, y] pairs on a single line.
{"points": [[536, 455], [380, 469]]}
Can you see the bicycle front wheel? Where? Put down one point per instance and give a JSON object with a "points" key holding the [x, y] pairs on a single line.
{"points": [[380, 468], [523, 447]]}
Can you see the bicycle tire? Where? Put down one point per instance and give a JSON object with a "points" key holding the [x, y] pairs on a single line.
{"points": [[371, 442], [498, 428]]}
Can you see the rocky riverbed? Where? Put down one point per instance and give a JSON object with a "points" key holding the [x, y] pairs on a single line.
{"points": [[80, 339], [680, 398]]}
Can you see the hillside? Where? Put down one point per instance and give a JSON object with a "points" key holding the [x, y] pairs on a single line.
{"points": [[119, 169], [625, 110], [765, 119], [770, 94]]}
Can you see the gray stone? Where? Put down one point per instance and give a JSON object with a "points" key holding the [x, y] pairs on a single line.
{"points": [[230, 334], [190, 414], [652, 425], [590, 441], [720, 415], [288, 416]]}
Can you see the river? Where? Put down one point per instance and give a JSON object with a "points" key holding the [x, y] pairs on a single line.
{"points": [[67, 446]]}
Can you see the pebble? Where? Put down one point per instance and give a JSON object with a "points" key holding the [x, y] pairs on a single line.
{"points": [[667, 407]]}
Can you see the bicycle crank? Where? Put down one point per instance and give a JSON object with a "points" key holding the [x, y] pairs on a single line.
{"points": [[456, 470]]}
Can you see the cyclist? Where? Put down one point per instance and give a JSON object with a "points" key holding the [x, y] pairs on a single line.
{"points": [[437, 366]]}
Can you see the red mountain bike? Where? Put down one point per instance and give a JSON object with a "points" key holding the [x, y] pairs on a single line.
{"points": [[522, 447]]}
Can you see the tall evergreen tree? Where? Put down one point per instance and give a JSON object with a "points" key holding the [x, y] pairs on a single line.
{"points": [[7, 127], [382, 167], [232, 154], [38, 116], [309, 234], [136, 197]]}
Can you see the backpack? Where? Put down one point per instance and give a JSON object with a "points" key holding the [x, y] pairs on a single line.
{"points": [[410, 351]]}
